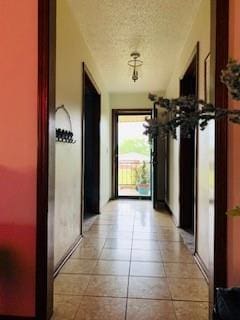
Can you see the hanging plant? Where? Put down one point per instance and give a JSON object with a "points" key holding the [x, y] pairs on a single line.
{"points": [[231, 78], [190, 113]]}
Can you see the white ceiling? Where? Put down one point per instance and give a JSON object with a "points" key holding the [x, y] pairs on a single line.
{"points": [[113, 29]]}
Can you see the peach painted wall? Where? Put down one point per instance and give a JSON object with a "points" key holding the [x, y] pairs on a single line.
{"points": [[18, 155], [234, 159]]}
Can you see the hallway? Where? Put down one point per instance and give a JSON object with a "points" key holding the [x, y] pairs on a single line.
{"points": [[131, 264]]}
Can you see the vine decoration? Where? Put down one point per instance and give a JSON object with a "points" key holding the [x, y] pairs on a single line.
{"points": [[190, 113]]}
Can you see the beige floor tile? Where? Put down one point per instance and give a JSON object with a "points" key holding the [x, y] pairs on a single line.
{"points": [[173, 245], [112, 267], [107, 286], [188, 289], [72, 284], [116, 254], [176, 253], [126, 235], [145, 236], [182, 270], [65, 307], [148, 288], [140, 309], [147, 269], [191, 310], [104, 222], [97, 234], [87, 253], [144, 229], [122, 228], [164, 222], [146, 255], [145, 245], [101, 227], [118, 244], [168, 234], [99, 308], [161, 269], [91, 242], [102, 235], [82, 266]]}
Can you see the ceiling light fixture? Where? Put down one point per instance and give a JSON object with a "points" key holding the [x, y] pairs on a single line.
{"points": [[135, 63]]}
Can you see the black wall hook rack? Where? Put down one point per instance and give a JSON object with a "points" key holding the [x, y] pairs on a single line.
{"points": [[62, 135]]}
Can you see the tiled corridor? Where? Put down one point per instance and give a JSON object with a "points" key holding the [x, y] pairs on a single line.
{"points": [[131, 265]]}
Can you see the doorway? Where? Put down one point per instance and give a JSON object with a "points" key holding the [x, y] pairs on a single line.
{"points": [[90, 146], [188, 153], [45, 194], [132, 170]]}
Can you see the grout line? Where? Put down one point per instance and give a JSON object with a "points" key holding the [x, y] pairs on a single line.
{"points": [[130, 275], [135, 298], [129, 271]]}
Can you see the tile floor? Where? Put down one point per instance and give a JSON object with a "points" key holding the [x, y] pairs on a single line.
{"points": [[131, 264]]}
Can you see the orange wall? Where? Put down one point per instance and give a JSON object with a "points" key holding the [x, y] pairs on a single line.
{"points": [[234, 159], [18, 155]]}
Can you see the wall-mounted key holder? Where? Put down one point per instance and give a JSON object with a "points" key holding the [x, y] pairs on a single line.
{"points": [[63, 135]]}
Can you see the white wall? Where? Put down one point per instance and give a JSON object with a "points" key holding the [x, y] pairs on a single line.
{"points": [[131, 100], [71, 52], [200, 32]]}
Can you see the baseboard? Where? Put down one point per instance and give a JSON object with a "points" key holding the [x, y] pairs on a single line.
{"points": [[168, 209], [68, 254], [160, 205], [172, 216], [201, 265]]}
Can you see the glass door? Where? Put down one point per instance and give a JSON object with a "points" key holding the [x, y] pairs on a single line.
{"points": [[133, 157]]}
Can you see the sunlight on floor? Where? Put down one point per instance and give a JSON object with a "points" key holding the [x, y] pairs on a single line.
{"points": [[131, 264]]}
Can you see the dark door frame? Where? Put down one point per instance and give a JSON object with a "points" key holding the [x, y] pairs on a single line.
{"points": [[46, 138], [86, 75], [115, 114], [160, 167], [46, 158], [193, 60], [219, 96]]}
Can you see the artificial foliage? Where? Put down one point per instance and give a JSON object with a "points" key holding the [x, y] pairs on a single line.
{"points": [[189, 113], [231, 78]]}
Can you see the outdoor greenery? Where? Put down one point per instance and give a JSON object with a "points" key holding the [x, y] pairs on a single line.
{"points": [[143, 174], [136, 145], [130, 175]]}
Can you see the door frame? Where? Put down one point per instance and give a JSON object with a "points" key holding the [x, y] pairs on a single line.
{"points": [[46, 138], [194, 56], [115, 114], [87, 73], [219, 96], [45, 158]]}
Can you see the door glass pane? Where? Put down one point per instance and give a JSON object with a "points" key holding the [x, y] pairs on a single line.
{"points": [[134, 172]]}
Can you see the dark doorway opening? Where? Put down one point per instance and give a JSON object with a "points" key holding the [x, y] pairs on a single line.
{"points": [[90, 146], [188, 152]]}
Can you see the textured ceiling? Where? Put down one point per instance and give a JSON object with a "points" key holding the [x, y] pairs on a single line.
{"points": [[113, 29]]}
